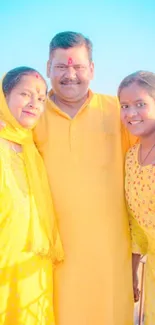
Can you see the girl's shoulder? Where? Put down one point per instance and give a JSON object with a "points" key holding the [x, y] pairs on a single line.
{"points": [[132, 151]]}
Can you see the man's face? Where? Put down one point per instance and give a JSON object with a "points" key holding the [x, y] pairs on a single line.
{"points": [[70, 72]]}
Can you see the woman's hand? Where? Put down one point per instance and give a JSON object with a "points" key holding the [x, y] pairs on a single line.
{"points": [[2, 125]]}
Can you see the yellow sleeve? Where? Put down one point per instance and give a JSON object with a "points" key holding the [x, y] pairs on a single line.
{"points": [[128, 140], [138, 237], [39, 132], [59, 252], [1, 176]]}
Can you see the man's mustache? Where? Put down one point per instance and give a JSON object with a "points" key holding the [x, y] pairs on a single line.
{"points": [[68, 81]]}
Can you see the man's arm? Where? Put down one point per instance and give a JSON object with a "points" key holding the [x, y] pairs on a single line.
{"points": [[40, 133], [128, 140]]}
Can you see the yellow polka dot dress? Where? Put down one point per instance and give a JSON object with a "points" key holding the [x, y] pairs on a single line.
{"points": [[140, 196]]}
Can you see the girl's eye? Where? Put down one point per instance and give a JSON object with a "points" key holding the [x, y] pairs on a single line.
{"points": [[141, 104]]}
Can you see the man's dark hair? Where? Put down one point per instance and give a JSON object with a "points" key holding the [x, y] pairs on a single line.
{"points": [[65, 40]]}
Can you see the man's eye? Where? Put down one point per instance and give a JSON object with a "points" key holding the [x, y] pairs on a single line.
{"points": [[79, 67], [61, 67]]}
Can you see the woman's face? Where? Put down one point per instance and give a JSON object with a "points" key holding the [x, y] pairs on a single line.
{"points": [[26, 100], [137, 110]]}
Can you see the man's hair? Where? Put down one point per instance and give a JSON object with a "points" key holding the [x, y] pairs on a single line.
{"points": [[65, 40]]}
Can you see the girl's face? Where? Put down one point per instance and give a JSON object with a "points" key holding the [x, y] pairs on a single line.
{"points": [[26, 100], [137, 110]]}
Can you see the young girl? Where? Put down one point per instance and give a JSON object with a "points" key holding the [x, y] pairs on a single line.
{"points": [[137, 99], [29, 240]]}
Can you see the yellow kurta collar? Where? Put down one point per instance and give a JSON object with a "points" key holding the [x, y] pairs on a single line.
{"points": [[53, 106]]}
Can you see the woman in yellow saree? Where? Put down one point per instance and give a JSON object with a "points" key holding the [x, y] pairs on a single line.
{"points": [[29, 239]]}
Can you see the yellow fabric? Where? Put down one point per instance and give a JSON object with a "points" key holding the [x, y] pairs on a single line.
{"points": [[26, 281], [140, 195], [84, 161], [43, 237]]}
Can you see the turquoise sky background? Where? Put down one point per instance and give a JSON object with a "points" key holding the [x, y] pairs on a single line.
{"points": [[122, 32]]}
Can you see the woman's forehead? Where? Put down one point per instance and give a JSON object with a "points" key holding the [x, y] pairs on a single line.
{"points": [[33, 81]]}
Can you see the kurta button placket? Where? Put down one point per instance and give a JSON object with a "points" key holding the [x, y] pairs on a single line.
{"points": [[73, 140]]}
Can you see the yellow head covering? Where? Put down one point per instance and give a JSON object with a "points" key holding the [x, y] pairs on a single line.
{"points": [[44, 237]]}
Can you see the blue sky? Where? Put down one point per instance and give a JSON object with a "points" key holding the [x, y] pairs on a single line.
{"points": [[122, 32]]}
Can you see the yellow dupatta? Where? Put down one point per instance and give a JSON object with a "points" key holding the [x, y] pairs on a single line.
{"points": [[43, 237]]}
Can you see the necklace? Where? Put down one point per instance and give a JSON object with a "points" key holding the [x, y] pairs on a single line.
{"points": [[142, 161]]}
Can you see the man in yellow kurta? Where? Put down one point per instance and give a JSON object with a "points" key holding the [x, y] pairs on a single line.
{"points": [[82, 143]]}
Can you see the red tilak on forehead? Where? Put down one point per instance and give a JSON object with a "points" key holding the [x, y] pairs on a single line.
{"points": [[37, 75], [70, 61]]}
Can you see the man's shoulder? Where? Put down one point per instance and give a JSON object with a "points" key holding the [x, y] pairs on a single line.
{"points": [[106, 99], [105, 96], [106, 103], [47, 112]]}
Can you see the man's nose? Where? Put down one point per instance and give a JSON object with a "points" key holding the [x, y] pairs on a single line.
{"points": [[70, 72]]}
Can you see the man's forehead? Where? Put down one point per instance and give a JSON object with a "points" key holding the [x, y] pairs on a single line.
{"points": [[70, 60], [71, 55]]}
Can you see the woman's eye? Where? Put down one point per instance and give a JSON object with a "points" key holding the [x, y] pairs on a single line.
{"points": [[41, 99], [25, 94], [124, 106]]}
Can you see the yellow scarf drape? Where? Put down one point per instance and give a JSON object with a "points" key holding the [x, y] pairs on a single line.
{"points": [[43, 237]]}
